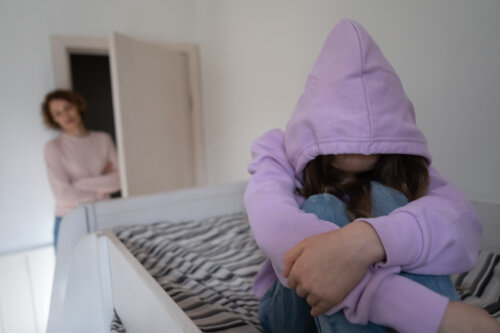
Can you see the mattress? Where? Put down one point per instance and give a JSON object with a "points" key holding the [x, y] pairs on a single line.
{"points": [[481, 286], [208, 267]]}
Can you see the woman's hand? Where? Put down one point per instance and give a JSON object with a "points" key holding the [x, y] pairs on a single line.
{"points": [[109, 168], [325, 268]]}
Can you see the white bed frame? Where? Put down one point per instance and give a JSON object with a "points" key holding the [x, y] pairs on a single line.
{"points": [[95, 273]]}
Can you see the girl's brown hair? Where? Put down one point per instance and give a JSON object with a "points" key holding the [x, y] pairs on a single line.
{"points": [[405, 173], [70, 96]]}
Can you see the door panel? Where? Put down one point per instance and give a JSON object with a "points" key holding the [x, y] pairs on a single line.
{"points": [[153, 117]]}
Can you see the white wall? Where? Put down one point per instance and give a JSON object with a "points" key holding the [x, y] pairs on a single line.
{"points": [[26, 203], [169, 20], [256, 55]]}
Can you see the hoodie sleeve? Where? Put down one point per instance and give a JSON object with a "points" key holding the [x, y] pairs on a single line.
{"points": [[64, 191], [386, 298], [106, 183], [407, 306], [436, 234], [275, 218]]}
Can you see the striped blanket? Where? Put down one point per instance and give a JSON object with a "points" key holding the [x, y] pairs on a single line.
{"points": [[481, 286], [208, 267]]}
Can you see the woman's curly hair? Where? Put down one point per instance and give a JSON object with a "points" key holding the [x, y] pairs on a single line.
{"points": [[70, 96]]}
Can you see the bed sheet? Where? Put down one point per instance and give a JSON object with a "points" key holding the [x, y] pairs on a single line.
{"points": [[206, 266]]}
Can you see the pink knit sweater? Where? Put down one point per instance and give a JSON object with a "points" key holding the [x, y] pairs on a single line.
{"points": [[76, 166]]}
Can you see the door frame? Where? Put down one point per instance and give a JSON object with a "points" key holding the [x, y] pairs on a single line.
{"points": [[63, 46]]}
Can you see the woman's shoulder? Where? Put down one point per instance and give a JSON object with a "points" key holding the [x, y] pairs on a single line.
{"points": [[52, 148], [53, 144]]}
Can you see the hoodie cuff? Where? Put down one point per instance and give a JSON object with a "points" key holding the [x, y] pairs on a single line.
{"points": [[401, 238], [407, 306]]}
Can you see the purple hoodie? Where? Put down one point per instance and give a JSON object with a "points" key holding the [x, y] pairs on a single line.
{"points": [[354, 102]]}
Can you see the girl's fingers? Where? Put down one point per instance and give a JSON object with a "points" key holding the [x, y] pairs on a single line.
{"points": [[290, 257], [319, 309], [301, 292], [312, 300], [292, 282]]}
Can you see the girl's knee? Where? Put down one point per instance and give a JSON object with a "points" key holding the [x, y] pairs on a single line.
{"points": [[320, 201], [327, 207], [385, 199]]}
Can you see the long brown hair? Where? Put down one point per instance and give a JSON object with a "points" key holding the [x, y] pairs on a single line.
{"points": [[405, 173]]}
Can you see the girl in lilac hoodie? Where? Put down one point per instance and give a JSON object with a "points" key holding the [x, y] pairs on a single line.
{"points": [[354, 106]]}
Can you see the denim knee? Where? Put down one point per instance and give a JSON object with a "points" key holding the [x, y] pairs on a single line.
{"points": [[327, 207], [440, 284], [282, 310], [337, 322]]}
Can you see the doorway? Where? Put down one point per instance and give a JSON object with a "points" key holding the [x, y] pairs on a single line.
{"points": [[91, 77], [156, 103]]}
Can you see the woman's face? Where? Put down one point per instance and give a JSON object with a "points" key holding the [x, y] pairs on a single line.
{"points": [[355, 163], [65, 114]]}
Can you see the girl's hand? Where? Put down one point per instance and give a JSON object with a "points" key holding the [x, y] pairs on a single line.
{"points": [[325, 268]]}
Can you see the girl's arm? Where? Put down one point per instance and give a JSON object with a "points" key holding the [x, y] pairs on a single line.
{"points": [[395, 301], [382, 296], [408, 306], [436, 234], [276, 220], [278, 224]]}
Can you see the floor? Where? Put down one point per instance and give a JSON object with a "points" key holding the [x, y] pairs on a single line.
{"points": [[25, 288]]}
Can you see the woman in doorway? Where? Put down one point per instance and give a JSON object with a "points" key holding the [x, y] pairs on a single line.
{"points": [[82, 165]]}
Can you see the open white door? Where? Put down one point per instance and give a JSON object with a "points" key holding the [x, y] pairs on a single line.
{"points": [[153, 117]]}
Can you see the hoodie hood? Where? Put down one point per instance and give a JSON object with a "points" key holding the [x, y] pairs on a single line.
{"points": [[353, 103]]}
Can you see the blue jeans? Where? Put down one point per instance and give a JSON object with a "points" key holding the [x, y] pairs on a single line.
{"points": [[281, 310], [57, 225]]}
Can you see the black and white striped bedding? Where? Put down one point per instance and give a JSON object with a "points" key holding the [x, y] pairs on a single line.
{"points": [[116, 325], [481, 286], [208, 267]]}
